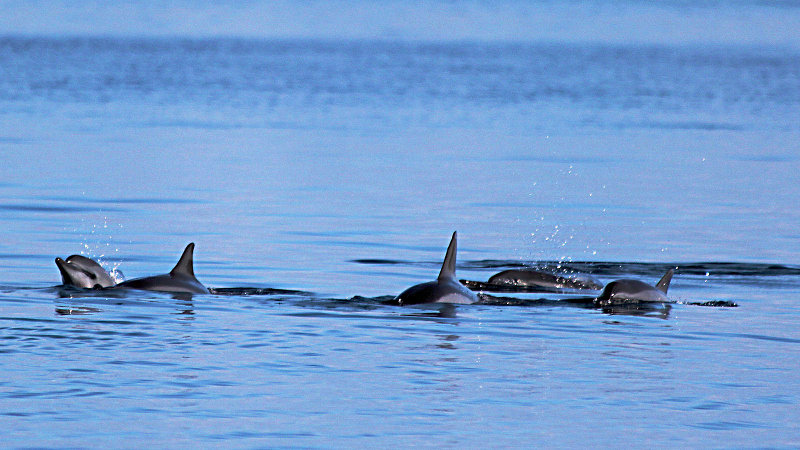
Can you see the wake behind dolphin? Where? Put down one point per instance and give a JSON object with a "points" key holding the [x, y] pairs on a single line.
{"points": [[446, 288], [180, 279]]}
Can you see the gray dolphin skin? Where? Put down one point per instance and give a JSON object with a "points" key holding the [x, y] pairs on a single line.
{"points": [[83, 272], [446, 288], [622, 292], [530, 278], [180, 279]]}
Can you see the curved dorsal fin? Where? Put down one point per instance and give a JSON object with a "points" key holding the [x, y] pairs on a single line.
{"points": [[449, 264], [185, 265], [663, 283]]}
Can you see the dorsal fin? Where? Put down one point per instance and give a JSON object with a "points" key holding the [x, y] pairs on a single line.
{"points": [[185, 265], [663, 283], [449, 264]]}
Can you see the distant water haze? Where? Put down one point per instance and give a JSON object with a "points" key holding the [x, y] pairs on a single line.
{"points": [[622, 21]]}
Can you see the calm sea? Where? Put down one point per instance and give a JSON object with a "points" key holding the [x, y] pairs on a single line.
{"points": [[321, 172]]}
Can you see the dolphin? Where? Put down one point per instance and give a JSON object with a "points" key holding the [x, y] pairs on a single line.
{"points": [[83, 272], [180, 279], [446, 288], [530, 278], [622, 292]]}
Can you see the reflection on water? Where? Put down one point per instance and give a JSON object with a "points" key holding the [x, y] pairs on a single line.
{"points": [[657, 310], [76, 310]]}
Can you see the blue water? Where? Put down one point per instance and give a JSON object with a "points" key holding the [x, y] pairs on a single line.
{"points": [[321, 170]]}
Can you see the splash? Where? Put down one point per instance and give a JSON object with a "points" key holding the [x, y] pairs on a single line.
{"points": [[98, 245]]}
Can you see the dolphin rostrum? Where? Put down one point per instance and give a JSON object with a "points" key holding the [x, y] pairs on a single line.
{"points": [[83, 272], [622, 292], [180, 279], [446, 288]]}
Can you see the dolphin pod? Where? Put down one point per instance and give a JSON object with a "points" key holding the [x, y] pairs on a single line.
{"points": [[82, 272]]}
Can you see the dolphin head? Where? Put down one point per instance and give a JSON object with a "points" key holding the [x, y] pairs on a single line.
{"points": [[83, 272]]}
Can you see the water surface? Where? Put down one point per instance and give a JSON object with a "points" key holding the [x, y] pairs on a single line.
{"points": [[338, 168]]}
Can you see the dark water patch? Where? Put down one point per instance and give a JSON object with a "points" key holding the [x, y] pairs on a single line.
{"points": [[28, 320], [777, 399], [714, 303], [734, 385], [492, 300], [77, 310], [330, 234], [18, 414], [371, 300], [82, 370], [737, 269], [53, 209], [381, 245], [381, 262], [123, 334], [712, 406], [768, 158], [47, 394], [260, 435], [256, 345], [685, 125], [347, 306], [12, 140], [605, 268], [750, 336], [562, 159], [128, 201], [265, 78], [249, 291], [119, 362], [728, 425], [198, 124]]}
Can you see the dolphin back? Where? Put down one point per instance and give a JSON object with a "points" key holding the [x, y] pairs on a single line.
{"points": [[446, 289], [449, 265], [180, 279]]}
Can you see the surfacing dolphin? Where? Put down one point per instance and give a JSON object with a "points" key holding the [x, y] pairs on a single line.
{"points": [[623, 292], [446, 288], [83, 272], [180, 279], [531, 278]]}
